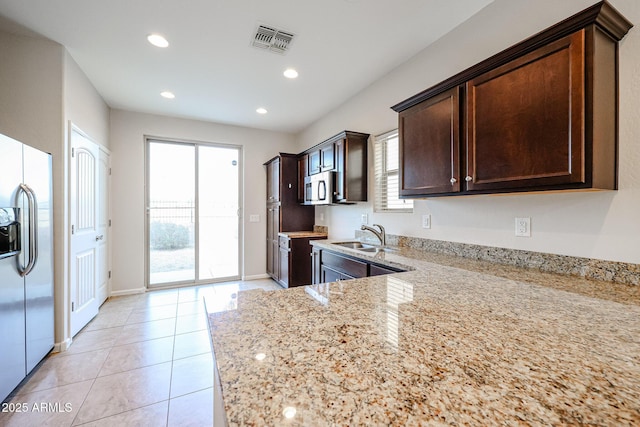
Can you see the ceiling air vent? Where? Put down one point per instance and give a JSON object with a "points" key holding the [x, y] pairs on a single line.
{"points": [[272, 39]]}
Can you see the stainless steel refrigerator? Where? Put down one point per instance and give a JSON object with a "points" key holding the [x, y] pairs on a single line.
{"points": [[26, 261]]}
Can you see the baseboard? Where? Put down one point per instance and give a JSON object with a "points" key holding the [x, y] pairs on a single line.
{"points": [[59, 347], [135, 291], [256, 277]]}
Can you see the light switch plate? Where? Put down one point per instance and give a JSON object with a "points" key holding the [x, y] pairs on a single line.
{"points": [[426, 221], [254, 218], [364, 219]]}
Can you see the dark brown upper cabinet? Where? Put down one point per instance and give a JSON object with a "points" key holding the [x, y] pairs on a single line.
{"points": [[321, 159], [526, 123], [303, 172], [541, 115], [346, 155], [430, 146]]}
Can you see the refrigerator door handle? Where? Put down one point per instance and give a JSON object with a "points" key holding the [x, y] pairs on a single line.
{"points": [[33, 234]]}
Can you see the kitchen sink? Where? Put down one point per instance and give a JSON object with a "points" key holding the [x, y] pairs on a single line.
{"points": [[364, 247], [377, 249], [354, 245]]}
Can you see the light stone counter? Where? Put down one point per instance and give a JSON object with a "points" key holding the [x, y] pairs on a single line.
{"points": [[472, 344]]}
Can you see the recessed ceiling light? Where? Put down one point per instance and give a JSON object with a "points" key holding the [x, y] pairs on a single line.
{"points": [[157, 40], [290, 73], [167, 94], [261, 110]]}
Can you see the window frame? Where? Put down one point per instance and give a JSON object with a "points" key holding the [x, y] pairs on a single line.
{"points": [[382, 173]]}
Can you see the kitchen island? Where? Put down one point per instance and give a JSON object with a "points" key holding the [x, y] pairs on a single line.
{"points": [[450, 342]]}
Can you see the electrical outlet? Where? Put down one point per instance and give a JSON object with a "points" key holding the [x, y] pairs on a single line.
{"points": [[254, 218], [321, 216], [426, 221], [523, 227], [364, 218]]}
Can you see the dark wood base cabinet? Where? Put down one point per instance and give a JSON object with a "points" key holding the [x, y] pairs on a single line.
{"points": [[295, 260], [541, 115], [329, 266]]}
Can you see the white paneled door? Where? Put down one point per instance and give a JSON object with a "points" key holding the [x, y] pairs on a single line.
{"points": [[84, 257], [104, 225]]}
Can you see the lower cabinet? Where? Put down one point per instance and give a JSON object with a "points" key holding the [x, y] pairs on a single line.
{"points": [[329, 266], [273, 228], [294, 265], [377, 270], [283, 266], [328, 275], [350, 267]]}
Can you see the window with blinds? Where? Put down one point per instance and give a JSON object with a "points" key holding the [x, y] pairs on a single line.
{"points": [[387, 179]]}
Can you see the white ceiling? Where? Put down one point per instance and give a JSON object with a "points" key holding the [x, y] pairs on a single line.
{"points": [[341, 46]]}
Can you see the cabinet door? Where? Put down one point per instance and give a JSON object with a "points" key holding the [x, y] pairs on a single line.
{"points": [[339, 153], [316, 276], [303, 172], [314, 162], [526, 122], [430, 145], [350, 156], [330, 275], [327, 160], [271, 254], [273, 228], [284, 267], [273, 181], [349, 266]]}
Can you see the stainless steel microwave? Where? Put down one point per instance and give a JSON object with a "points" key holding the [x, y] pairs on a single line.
{"points": [[318, 188]]}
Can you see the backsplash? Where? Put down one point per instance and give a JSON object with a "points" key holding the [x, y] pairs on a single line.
{"points": [[609, 271], [321, 229]]}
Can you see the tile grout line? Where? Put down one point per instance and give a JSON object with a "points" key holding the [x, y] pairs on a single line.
{"points": [[173, 352]]}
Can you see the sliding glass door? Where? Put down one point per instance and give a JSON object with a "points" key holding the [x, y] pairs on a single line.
{"points": [[193, 212]]}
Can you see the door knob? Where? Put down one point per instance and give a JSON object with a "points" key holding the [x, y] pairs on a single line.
{"points": [[100, 237]]}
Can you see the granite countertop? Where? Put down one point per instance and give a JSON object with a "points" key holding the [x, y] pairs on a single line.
{"points": [[466, 344], [302, 234]]}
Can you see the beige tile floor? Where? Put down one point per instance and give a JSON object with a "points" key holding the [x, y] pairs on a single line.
{"points": [[145, 360]]}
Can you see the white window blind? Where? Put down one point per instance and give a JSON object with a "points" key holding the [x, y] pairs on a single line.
{"points": [[387, 179]]}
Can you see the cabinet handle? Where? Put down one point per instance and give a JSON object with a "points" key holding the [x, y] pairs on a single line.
{"points": [[453, 181], [468, 178]]}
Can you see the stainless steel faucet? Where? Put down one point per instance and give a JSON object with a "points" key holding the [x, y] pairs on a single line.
{"points": [[382, 235]]}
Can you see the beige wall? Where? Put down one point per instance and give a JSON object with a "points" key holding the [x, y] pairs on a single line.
{"points": [[601, 225], [86, 109], [42, 88], [83, 105], [31, 111], [128, 131]]}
